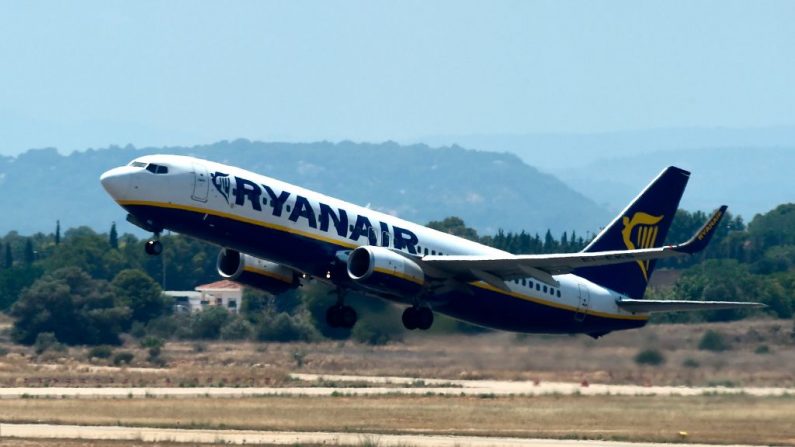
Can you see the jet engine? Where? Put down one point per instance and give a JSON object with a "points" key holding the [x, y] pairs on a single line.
{"points": [[382, 270], [255, 272]]}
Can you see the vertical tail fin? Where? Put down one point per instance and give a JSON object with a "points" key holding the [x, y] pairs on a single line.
{"points": [[642, 224]]}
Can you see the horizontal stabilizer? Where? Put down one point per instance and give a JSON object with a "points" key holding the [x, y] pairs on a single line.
{"points": [[676, 305]]}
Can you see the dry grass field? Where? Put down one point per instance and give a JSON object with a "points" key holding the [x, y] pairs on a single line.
{"points": [[709, 419], [762, 353]]}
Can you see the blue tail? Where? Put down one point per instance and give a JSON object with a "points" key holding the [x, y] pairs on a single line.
{"points": [[642, 224]]}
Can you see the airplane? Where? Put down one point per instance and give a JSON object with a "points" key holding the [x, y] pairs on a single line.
{"points": [[274, 235]]}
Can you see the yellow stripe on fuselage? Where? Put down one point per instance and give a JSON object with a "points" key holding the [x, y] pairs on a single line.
{"points": [[306, 234], [238, 218]]}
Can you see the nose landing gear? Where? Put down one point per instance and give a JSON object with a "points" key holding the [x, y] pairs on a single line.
{"points": [[153, 246], [416, 317]]}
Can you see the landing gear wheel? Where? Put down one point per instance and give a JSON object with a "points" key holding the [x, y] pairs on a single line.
{"points": [[417, 318], [341, 316], [410, 318], [153, 247], [349, 317], [424, 318], [333, 316]]}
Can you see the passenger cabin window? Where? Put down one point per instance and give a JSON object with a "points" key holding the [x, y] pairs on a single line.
{"points": [[545, 289], [157, 169], [558, 293], [524, 282]]}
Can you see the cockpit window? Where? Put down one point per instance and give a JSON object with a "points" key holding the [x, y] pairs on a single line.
{"points": [[157, 169], [138, 164]]}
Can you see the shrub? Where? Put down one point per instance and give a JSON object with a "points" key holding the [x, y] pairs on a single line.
{"points": [[651, 357], [46, 341], [690, 363], [371, 333], [713, 341], [100, 352], [285, 327], [207, 324], [154, 346], [237, 328], [762, 349], [123, 358]]}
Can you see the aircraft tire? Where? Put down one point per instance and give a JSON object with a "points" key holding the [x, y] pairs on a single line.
{"points": [[424, 318], [334, 316], [410, 318], [153, 247], [348, 317]]}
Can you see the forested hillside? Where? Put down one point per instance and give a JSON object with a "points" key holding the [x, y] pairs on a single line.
{"points": [[418, 183]]}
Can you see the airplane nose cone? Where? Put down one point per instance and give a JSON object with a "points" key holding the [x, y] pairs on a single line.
{"points": [[116, 182]]}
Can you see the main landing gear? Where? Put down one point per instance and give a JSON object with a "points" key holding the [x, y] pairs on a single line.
{"points": [[341, 315], [416, 317], [153, 246]]}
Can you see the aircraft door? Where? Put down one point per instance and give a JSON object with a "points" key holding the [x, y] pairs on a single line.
{"points": [[201, 182], [583, 303]]}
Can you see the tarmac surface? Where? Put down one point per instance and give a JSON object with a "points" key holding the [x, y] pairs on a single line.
{"points": [[367, 385], [145, 434]]}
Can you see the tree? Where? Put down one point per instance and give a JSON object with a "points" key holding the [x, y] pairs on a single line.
{"points": [[74, 307], [9, 261], [139, 292], [83, 248], [113, 238], [30, 255], [454, 225], [208, 323], [57, 232], [255, 303]]}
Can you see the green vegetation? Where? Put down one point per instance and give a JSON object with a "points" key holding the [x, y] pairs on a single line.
{"points": [[88, 288], [713, 341], [651, 357]]}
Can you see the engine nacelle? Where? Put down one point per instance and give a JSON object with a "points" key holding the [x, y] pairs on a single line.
{"points": [[382, 270], [255, 272]]}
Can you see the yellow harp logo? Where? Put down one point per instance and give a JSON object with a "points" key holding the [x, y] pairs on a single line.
{"points": [[641, 232]]}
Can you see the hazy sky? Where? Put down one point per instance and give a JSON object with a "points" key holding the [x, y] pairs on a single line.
{"points": [[88, 74]]}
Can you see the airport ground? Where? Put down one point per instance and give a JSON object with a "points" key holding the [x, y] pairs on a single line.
{"points": [[489, 388]]}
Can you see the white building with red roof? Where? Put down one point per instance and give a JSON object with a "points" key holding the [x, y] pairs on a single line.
{"points": [[224, 293]]}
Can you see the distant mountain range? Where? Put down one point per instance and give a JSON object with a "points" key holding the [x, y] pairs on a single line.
{"points": [[553, 152], [488, 190], [748, 169], [749, 180]]}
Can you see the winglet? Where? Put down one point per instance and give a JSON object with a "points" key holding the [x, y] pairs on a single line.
{"points": [[701, 239]]}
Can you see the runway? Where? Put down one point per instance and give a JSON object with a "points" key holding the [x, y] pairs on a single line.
{"points": [[389, 385], [147, 434]]}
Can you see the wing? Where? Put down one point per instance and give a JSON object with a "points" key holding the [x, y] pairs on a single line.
{"points": [[675, 305], [496, 270]]}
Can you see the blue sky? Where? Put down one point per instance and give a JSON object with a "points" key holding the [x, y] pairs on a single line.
{"points": [[89, 74]]}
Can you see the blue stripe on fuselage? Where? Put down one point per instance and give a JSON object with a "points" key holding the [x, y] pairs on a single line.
{"points": [[485, 307]]}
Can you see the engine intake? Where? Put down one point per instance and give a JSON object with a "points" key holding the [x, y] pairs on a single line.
{"points": [[382, 270], [255, 272]]}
